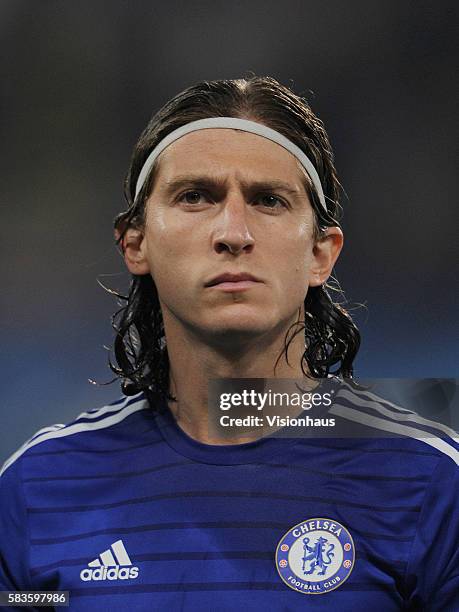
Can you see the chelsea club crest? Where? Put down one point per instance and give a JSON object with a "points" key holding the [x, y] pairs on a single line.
{"points": [[315, 556]]}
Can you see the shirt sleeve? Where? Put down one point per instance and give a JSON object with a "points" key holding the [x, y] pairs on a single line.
{"points": [[14, 541], [432, 574]]}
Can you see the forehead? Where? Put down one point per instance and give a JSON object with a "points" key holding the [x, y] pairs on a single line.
{"points": [[227, 151]]}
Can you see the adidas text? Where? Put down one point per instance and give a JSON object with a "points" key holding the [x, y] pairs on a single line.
{"points": [[109, 573]]}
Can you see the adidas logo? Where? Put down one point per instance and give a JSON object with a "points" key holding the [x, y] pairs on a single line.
{"points": [[112, 564]]}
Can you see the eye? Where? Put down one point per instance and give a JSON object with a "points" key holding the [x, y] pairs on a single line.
{"points": [[270, 200], [191, 197]]}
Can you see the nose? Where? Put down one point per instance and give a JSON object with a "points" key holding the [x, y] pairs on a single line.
{"points": [[232, 232]]}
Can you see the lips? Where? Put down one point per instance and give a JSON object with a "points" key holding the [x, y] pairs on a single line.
{"points": [[228, 277]]}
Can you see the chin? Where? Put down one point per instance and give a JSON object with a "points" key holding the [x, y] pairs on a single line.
{"points": [[238, 328]]}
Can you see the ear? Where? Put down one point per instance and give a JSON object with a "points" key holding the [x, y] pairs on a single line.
{"points": [[324, 255], [133, 247]]}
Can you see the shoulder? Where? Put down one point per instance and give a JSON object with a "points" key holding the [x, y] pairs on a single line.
{"points": [[396, 428], [87, 430]]}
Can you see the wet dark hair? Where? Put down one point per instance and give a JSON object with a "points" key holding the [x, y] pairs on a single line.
{"points": [[331, 337]]}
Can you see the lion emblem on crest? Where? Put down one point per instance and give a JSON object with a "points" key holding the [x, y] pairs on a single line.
{"points": [[315, 554]]}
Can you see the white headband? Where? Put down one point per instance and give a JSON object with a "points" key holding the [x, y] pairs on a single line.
{"points": [[234, 124]]}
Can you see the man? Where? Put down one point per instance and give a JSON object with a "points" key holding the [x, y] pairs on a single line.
{"points": [[230, 235]]}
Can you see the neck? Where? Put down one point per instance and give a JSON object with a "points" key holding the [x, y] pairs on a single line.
{"points": [[193, 362]]}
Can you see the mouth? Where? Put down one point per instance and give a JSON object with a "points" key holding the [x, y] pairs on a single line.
{"points": [[233, 282]]}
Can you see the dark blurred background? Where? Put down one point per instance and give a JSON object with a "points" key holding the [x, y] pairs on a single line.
{"points": [[80, 81]]}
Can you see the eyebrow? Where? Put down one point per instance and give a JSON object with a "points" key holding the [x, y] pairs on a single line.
{"points": [[171, 186]]}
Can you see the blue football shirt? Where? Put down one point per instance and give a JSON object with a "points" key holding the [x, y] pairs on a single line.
{"points": [[126, 512]]}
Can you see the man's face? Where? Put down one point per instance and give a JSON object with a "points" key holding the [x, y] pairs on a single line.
{"points": [[226, 201]]}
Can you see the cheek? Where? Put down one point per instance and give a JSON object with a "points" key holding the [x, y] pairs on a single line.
{"points": [[172, 252], [296, 252], [164, 243]]}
